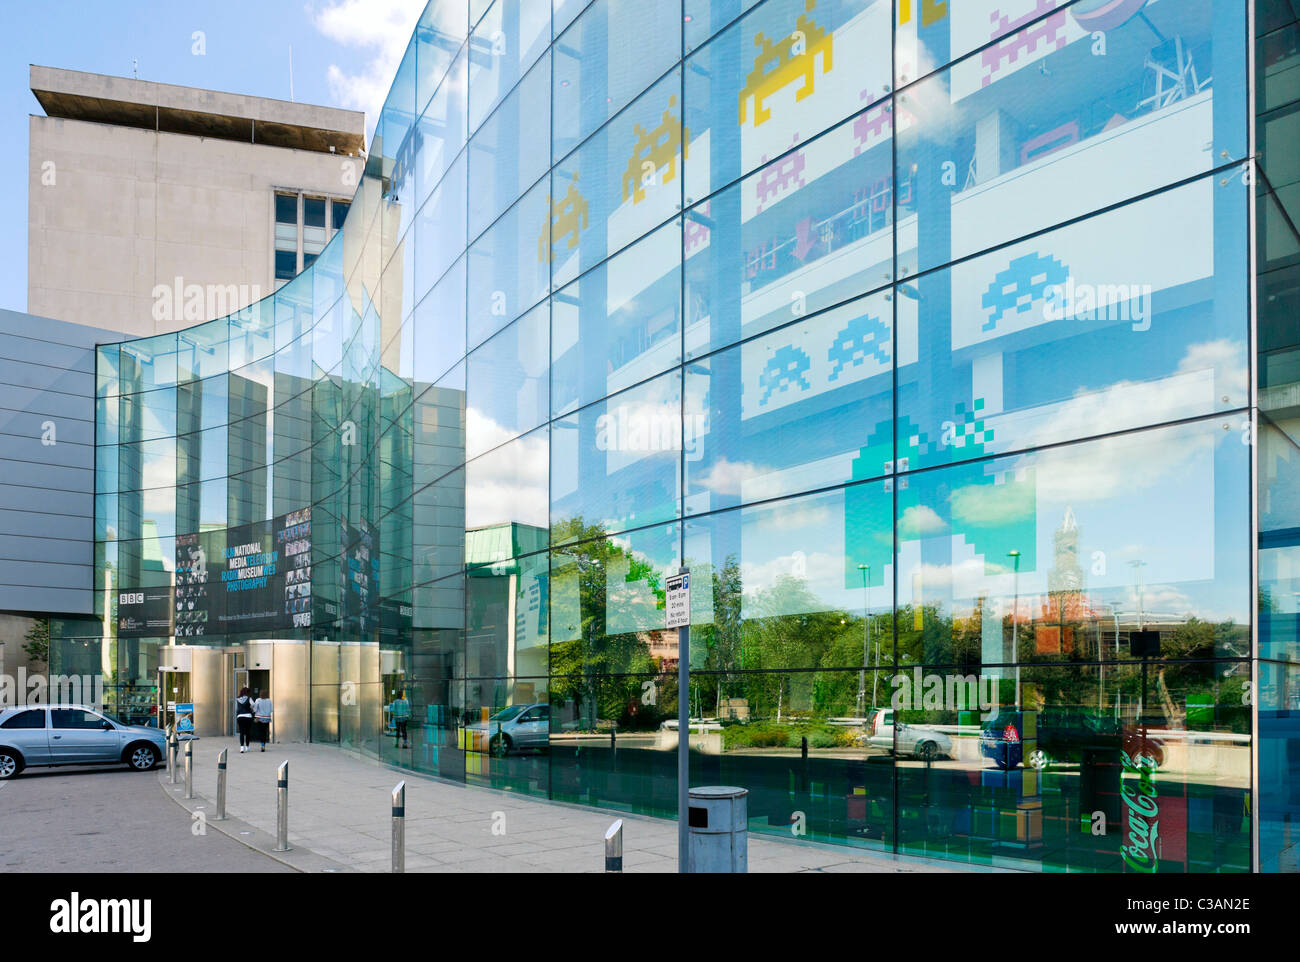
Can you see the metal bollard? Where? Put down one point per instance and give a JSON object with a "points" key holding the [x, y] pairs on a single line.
{"points": [[221, 786], [614, 847], [282, 808], [171, 758], [399, 828], [189, 769]]}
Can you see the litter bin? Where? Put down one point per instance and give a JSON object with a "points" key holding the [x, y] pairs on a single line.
{"points": [[719, 836]]}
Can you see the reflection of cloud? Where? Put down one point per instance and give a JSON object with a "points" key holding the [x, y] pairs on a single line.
{"points": [[1121, 466], [819, 569], [992, 504], [920, 521], [1132, 404], [509, 485], [742, 478], [381, 27], [482, 433], [793, 516]]}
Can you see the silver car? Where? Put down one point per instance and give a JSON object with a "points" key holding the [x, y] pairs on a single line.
{"points": [[517, 727], [74, 735]]}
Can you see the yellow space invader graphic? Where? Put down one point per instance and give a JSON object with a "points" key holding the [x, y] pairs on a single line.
{"points": [[568, 216], [932, 11], [778, 65], [654, 150]]}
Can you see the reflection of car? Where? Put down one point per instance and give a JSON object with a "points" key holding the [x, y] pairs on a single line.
{"points": [[516, 727], [1061, 735], [73, 735], [919, 740]]}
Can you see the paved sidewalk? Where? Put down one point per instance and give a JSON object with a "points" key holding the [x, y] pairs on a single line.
{"points": [[339, 820]]}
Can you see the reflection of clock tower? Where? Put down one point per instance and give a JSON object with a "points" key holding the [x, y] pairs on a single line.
{"points": [[1065, 590]]}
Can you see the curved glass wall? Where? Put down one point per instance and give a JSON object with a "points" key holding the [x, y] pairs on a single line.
{"points": [[920, 332]]}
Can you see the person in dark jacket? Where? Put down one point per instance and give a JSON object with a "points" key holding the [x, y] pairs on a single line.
{"points": [[244, 718]]}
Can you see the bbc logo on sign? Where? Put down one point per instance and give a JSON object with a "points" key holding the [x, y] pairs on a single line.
{"points": [[131, 598]]}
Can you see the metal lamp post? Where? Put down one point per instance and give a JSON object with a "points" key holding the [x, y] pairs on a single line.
{"points": [[1014, 555], [866, 641]]}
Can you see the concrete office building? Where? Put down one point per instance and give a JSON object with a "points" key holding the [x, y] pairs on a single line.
{"points": [[957, 368], [152, 207]]}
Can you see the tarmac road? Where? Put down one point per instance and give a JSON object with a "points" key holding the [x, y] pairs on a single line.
{"points": [[84, 819]]}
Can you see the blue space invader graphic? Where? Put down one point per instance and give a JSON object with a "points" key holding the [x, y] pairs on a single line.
{"points": [[786, 368], [1025, 280], [865, 335]]}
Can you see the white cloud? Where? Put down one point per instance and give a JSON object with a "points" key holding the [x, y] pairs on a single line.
{"points": [[381, 28]]}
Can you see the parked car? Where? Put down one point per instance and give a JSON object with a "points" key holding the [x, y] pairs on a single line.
{"points": [[1062, 735], [516, 727], [45, 735], [920, 741]]}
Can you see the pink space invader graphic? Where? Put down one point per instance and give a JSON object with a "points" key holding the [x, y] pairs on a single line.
{"points": [[1048, 32], [783, 176], [697, 234], [876, 122]]}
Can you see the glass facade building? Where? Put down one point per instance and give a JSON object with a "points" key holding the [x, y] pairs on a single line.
{"points": [[923, 333]]}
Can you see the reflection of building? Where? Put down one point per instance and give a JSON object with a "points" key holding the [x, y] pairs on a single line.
{"points": [[857, 363]]}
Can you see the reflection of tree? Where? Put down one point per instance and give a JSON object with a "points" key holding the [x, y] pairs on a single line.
{"points": [[595, 669]]}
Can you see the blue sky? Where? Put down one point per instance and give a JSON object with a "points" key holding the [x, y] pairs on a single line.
{"points": [[344, 55]]}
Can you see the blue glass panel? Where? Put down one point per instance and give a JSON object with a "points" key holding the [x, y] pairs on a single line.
{"points": [[622, 183], [508, 271], [610, 55], [617, 464], [808, 231], [803, 407], [782, 74], [620, 323], [1037, 134]]}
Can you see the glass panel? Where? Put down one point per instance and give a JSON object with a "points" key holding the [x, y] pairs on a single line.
{"points": [[808, 231], [1080, 552], [507, 487], [506, 42], [512, 150], [931, 35], [804, 407], [440, 229], [1000, 151], [1158, 756], [509, 382], [1129, 318], [607, 598], [610, 55], [508, 268], [620, 323], [620, 184], [784, 72], [617, 464]]}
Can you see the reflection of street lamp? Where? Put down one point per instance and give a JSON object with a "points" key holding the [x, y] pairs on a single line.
{"points": [[1137, 590], [866, 640], [1014, 555]]}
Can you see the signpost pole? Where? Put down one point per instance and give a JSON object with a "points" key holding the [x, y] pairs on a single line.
{"points": [[679, 617]]}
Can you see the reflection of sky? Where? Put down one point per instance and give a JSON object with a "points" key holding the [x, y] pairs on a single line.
{"points": [[1149, 497]]}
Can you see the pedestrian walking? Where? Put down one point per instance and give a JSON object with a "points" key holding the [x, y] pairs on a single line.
{"points": [[400, 712], [244, 718], [263, 710]]}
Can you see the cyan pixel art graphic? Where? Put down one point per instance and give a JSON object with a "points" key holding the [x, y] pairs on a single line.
{"points": [[970, 431], [1025, 280], [786, 368], [862, 337]]}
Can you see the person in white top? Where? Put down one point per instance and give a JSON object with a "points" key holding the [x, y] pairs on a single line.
{"points": [[263, 711]]}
